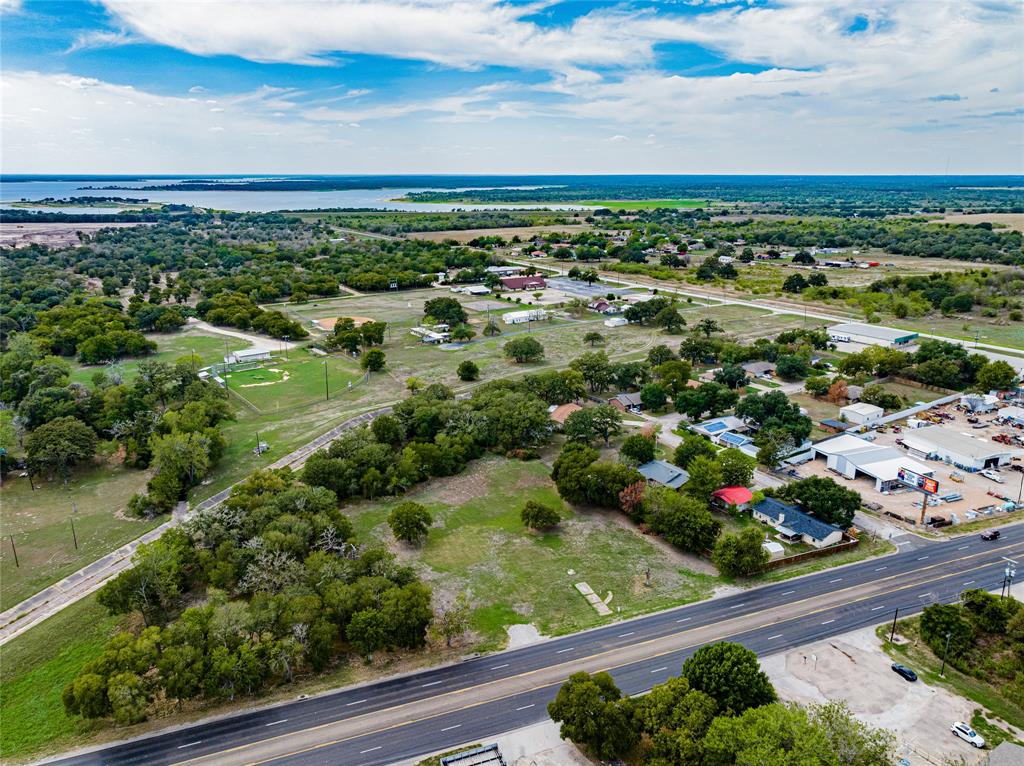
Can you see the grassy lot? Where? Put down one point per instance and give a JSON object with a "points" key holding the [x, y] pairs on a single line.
{"points": [[869, 548], [285, 385], [37, 666], [209, 348], [40, 522], [915, 653], [479, 546]]}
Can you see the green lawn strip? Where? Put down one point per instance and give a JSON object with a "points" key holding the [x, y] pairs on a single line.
{"points": [[517, 576], [40, 522], [915, 653], [37, 666], [296, 382], [868, 548]]}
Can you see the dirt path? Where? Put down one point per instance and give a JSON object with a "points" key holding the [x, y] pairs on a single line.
{"points": [[261, 341]]}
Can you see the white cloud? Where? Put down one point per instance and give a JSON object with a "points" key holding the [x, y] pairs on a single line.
{"points": [[102, 39], [10, 6]]}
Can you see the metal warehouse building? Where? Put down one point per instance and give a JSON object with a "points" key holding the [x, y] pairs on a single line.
{"points": [[852, 456], [959, 449], [871, 335]]}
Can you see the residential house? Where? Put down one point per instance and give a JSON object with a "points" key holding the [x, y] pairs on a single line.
{"points": [[759, 369], [626, 402], [728, 497], [716, 428], [558, 413], [664, 473], [794, 525]]}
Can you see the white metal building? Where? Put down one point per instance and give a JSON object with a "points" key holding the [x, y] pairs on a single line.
{"points": [[852, 456], [871, 335], [247, 355], [959, 449], [616, 322], [521, 317], [861, 413]]}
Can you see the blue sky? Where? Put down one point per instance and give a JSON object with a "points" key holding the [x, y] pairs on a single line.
{"points": [[488, 86]]}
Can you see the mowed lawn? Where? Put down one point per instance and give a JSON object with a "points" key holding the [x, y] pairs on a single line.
{"points": [[40, 522], [286, 384], [478, 546], [170, 348], [37, 666]]}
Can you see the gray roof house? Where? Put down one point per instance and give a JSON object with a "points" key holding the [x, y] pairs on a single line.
{"points": [[759, 369], [664, 473], [792, 523], [626, 402]]}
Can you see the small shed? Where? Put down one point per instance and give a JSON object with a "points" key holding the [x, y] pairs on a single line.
{"points": [[861, 413]]}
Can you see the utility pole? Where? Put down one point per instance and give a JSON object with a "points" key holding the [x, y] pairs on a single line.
{"points": [[258, 450], [74, 535], [942, 673], [892, 633], [327, 390], [14, 548]]}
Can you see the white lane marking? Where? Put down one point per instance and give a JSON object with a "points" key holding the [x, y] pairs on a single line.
{"points": [[623, 635], [963, 547], [838, 579], [357, 702], [659, 670], [363, 752], [526, 707], [563, 651], [499, 667], [969, 582], [777, 635], [275, 723], [737, 606], [685, 619], [190, 744], [876, 608], [449, 728], [903, 543], [924, 595], [788, 592], [881, 568], [921, 558], [827, 622], [433, 683]]}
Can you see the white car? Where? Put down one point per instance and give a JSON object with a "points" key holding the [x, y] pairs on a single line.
{"points": [[967, 734], [992, 475]]}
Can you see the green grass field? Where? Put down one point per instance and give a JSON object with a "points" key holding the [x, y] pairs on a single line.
{"points": [[281, 386], [171, 346], [40, 522], [479, 545], [652, 204], [37, 666]]}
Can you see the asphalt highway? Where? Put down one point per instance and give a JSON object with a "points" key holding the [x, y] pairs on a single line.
{"points": [[405, 716]]}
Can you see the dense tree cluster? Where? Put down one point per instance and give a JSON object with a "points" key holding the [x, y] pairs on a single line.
{"points": [[288, 590]]}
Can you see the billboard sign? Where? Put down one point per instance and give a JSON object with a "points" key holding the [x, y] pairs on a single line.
{"points": [[917, 481]]}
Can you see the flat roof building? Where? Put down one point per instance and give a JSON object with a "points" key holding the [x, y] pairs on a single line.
{"points": [[871, 335], [521, 317], [959, 449], [247, 355]]}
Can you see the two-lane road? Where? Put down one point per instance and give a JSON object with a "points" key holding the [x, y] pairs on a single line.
{"points": [[405, 716]]}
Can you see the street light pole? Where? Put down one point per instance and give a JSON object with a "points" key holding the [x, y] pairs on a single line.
{"points": [[942, 673]]}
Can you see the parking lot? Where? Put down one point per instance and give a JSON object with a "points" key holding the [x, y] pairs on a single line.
{"points": [[981, 496]]}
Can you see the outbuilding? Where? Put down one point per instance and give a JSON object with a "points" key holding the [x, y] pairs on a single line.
{"points": [[248, 355], [861, 413], [1012, 414], [958, 449], [871, 335], [851, 456], [616, 322], [522, 317]]}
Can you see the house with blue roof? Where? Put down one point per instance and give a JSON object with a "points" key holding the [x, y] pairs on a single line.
{"points": [[664, 473], [794, 525]]}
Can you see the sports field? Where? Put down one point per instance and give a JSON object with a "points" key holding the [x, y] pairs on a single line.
{"points": [[281, 385]]}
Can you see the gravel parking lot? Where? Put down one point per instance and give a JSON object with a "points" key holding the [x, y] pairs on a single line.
{"points": [[977, 502], [853, 668]]}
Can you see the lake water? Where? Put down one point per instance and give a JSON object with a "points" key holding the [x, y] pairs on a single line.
{"points": [[242, 201]]}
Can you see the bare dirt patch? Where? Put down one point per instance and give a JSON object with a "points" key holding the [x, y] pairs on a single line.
{"points": [[51, 234], [1013, 221]]}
